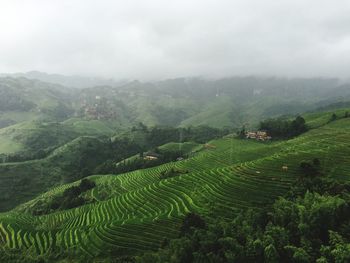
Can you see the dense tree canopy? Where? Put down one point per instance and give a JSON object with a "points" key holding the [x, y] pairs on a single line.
{"points": [[280, 128]]}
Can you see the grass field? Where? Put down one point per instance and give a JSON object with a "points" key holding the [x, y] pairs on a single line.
{"points": [[9, 146], [92, 127]]}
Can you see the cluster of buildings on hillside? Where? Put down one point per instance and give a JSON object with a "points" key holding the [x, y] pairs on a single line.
{"points": [[93, 112], [97, 109], [258, 135]]}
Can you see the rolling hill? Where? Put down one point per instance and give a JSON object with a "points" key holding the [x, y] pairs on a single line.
{"points": [[134, 212], [50, 154], [229, 102], [20, 181]]}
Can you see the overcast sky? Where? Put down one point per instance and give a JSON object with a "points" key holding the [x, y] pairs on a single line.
{"points": [[156, 39]]}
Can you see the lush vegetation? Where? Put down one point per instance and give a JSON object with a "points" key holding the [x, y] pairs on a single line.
{"points": [[311, 224], [197, 215], [77, 182], [65, 162], [281, 128], [142, 139], [71, 197], [172, 172], [177, 102]]}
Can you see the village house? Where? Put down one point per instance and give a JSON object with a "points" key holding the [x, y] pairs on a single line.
{"points": [[150, 156], [258, 135], [250, 135]]}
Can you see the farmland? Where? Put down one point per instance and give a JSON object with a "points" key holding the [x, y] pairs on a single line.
{"points": [[134, 212]]}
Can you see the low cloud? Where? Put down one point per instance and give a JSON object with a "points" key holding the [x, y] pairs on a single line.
{"points": [[164, 39]]}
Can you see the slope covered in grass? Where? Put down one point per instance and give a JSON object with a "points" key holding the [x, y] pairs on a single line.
{"points": [[8, 146], [320, 118], [92, 127], [21, 181], [34, 136], [174, 102], [54, 153], [134, 212]]}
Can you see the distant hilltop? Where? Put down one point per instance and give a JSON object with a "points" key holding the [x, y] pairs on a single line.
{"points": [[73, 81]]}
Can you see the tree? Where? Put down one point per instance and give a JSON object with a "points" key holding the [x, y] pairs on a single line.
{"points": [[86, 184], [333, 117], [298, 126], [271, 254], [316, 162], [340, 249], [300, 256], [310, 168], [192, 221], [242, 132], [280, 128]]}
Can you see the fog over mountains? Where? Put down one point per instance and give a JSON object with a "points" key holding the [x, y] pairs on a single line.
{"points": [[155, 40], [226, 102], [73, 81]]}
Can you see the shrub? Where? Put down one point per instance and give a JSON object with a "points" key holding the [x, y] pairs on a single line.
{"points": [[192, 220], [86, 184]]}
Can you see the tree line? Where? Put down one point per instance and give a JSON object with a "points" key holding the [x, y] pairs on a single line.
{"points": [[281, 128]]}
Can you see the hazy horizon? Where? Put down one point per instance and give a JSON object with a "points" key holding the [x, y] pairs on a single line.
{"points": [[30, 75]]}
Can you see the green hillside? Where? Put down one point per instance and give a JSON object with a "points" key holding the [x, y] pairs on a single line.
{"points": [[21, 181], [51, 135], [92, 127], [35, 140], [320, 118], [22, 99], [34, 136], [134, 212], [229, 102], [8, 146], [49, 154], [184, 149], [218, 103]]}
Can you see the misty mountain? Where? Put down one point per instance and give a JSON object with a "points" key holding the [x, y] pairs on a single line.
{"points": [[219, 103], [64, 80], [22, 99], [229, 102]]}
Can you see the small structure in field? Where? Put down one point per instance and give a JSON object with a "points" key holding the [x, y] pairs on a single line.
{"points": [[151, 156], [209, 146], [258, 135], [285, 168]]}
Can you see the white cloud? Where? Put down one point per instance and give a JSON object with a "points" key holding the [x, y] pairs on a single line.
{"points": [[159, 39]]}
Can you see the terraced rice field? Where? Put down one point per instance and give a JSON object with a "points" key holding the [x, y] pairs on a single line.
{"points": [[142, 209]]}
